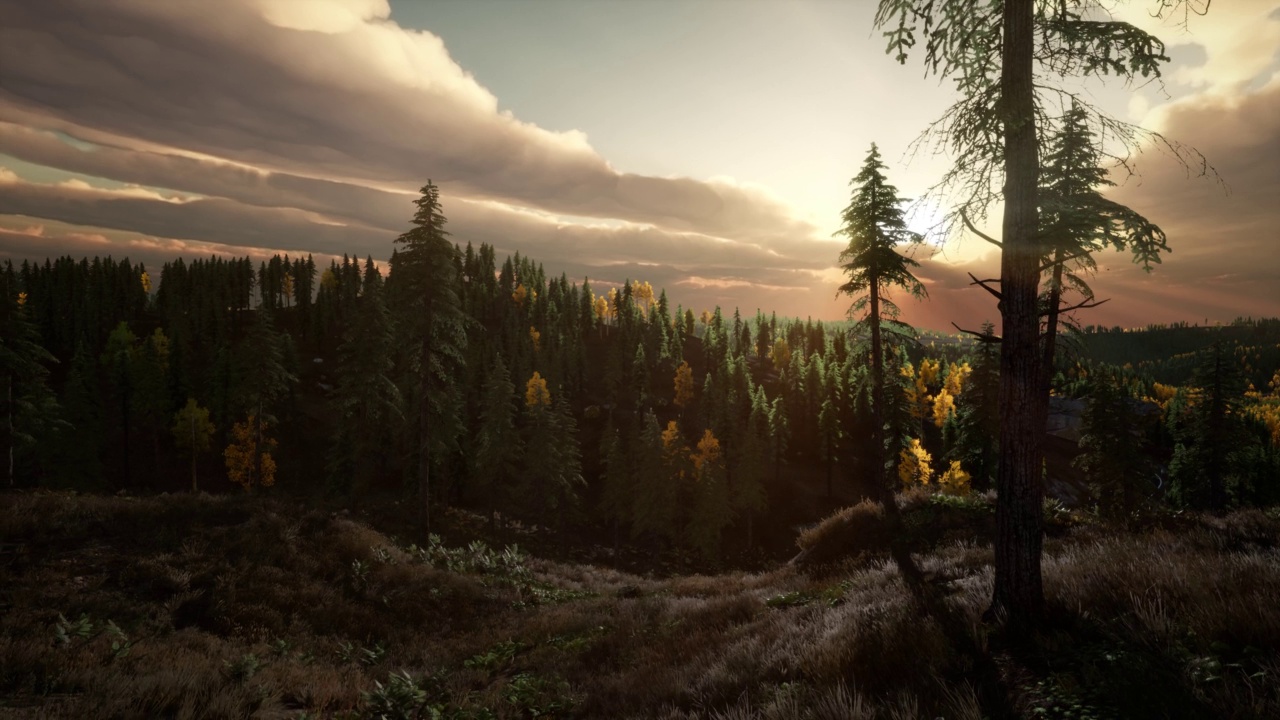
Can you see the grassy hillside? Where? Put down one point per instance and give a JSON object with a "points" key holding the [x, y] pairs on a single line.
{"points": [[198, 606]]}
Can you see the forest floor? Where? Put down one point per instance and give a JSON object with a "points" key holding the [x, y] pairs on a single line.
{"points": [[241, 606]]}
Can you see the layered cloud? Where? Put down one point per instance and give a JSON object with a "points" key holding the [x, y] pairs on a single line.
{"points": [[261, 125]]}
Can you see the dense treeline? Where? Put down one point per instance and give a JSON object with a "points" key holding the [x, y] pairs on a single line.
{"points": [[548, 402]]}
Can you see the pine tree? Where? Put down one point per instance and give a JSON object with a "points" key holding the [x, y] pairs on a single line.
{"points": [[117, 360], [497, 453], [366, 401], [30, 407], [711, 510], [1200, 467], [617, 503], [875, 226], [427, 283], [262, 381], [971, 435], [1110, 454]]}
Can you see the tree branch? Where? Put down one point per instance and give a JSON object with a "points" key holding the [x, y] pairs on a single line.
{"points": [[1084, 305], [983, 284], [1076, 256], [982, 337], [965, 218]]}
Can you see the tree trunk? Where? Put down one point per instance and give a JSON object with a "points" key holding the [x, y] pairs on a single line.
{"points": [[1018, 591], [11, 435], [424, 440], [828, 477], [882, 484], [193, 453]]}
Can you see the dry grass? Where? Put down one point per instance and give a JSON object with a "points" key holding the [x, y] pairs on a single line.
{"points": [[245, 607]]}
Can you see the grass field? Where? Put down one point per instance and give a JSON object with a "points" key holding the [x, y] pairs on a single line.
{"points": [[237, 606]]}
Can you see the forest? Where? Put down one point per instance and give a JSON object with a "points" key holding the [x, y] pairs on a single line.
{"points": [[615, 416]]}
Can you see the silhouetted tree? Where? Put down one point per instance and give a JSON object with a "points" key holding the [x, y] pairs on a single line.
{"points": [[875, 226]]}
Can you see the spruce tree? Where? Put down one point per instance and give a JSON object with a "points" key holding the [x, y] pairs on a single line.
{"points": [[29, 406], [366, 402], [430, 312], [875, 226]]}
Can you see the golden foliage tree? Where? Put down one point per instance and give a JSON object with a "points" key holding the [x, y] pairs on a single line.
{"points": [[684, 385], [249, 461], [780, 354], [955, 481], [536, 392], [944, 407], [915, 464], [536, 337]]}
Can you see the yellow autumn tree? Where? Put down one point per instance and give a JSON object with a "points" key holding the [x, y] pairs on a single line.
{"points": [[955, 481], [536, 337], [684, 385], [915, 464], [520, 294], [146, 282], [919, 402], [944, 406], [536, 392], [957, 375], [603, 310], [248, 457], [780, 354], [708, 451], [642, 296]]}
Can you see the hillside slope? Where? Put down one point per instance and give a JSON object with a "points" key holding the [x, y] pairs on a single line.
{"points": [[199, 606]]}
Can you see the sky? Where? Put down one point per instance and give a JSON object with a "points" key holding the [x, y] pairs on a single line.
{"points": [[705, 146]]}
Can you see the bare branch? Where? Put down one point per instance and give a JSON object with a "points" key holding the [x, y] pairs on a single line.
{"points": [[965, 217], [983, 284], [982, 337], [1083, 305]]}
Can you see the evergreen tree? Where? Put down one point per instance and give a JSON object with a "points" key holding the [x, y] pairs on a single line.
{"points": [[617, 494], [30, 408], [367, 402], [1003, 57], [1210, 429], [875, 226], [497, 453], [427, 283], [972, 433], [117, 360], [1110, 454], [710, 509]]}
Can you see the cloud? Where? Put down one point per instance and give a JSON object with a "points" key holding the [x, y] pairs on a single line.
{"points": [[1226, 243], [339, 92]]}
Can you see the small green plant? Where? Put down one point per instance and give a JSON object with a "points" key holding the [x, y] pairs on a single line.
{"points": [[536, 696], [401, 698], [243, 667], [121, 645], [359, 574], [67, 631], [367, 656], [64, 631], [497, 656]]}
